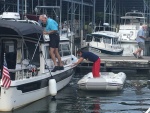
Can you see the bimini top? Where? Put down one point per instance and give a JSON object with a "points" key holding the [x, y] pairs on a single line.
{"points": [[25, 30]]}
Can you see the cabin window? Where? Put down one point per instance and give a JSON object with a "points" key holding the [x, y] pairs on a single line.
{"points": [[126, 22], [115, 41], [64, 49], [30, 52], [10, 52], [107, 40], [64, 31], [9, 48], [97, 39], [88, 38]]}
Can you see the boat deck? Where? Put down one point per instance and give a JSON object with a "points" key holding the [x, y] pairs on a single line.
{"points": [[121, 62]]}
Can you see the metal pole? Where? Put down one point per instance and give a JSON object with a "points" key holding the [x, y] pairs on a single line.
{"points": [[38, 2], [68, 24], [104, 12], [22, 9], [18, 6], [144, 7], [81, 23], [94, 14], [60, 23], [25, 7], [4, 6], [111, 15], [72, 10], [115, 18], [32, 6]]}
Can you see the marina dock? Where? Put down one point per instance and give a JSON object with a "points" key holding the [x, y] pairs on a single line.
{"points": [[120, 62]]}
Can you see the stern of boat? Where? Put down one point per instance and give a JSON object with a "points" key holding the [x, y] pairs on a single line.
{"points": [[7, 99]]}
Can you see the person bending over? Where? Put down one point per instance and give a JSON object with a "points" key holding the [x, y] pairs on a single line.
{"points": [[90, 57]]}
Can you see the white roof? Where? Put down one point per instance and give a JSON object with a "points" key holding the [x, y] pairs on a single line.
{"points": [[110, 34], [132, 17], [11, 15]]}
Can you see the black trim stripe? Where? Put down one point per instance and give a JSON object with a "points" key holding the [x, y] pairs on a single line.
{"points": [[44, 82]]}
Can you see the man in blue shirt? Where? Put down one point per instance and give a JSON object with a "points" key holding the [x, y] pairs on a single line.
{"points": [[141, 36], [52, 30], [90, 57]]}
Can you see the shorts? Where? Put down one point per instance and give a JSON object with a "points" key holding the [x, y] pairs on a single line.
{"points": [[141, 45], [54, 40]]}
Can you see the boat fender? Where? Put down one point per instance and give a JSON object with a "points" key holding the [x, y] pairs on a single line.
{"points": [[74, 59], [52, 87]]}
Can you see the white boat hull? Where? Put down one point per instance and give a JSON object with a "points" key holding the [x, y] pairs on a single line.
{"points": [[103, 52], [31, 77], [13, 98], [107, 81]]}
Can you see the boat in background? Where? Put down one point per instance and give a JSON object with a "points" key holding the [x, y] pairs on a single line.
{"points": [[102, 43], [108, 81], [130, 24], [14, 16], [27, 55]]}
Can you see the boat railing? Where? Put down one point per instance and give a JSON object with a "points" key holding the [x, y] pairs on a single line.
{"points": [[24, 73]]}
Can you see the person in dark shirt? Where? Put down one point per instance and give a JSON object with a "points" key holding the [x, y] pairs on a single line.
{"points": [[90, 57]]}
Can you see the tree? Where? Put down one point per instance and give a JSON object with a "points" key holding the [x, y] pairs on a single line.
{"points": [[99, 16]]}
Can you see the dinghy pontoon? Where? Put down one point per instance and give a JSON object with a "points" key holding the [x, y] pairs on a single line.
{"points": [[107, 81]]}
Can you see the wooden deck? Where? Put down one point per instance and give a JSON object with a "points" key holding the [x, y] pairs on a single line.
{"points": [[121, 62]]}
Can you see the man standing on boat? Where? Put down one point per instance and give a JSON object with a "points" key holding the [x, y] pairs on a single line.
{"points": [[141, 36], [52, 30], [90, 57]]}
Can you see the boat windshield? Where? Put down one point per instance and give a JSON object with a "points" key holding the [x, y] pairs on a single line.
{"points": [[134, 14], [130, 21]]}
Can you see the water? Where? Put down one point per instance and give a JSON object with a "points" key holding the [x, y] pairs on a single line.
{"points": [[134, 98]]}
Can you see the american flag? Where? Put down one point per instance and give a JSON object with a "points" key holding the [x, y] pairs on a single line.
{"points": [[6, 81]]}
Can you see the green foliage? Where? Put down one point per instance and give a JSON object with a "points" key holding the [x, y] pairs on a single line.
{"points": [[99, 16]]}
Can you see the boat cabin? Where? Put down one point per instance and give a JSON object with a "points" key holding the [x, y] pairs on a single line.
{"points": [[26, 52], [102, 38], [129, 26], [103, 43], [132, 20], [25, 48]]}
